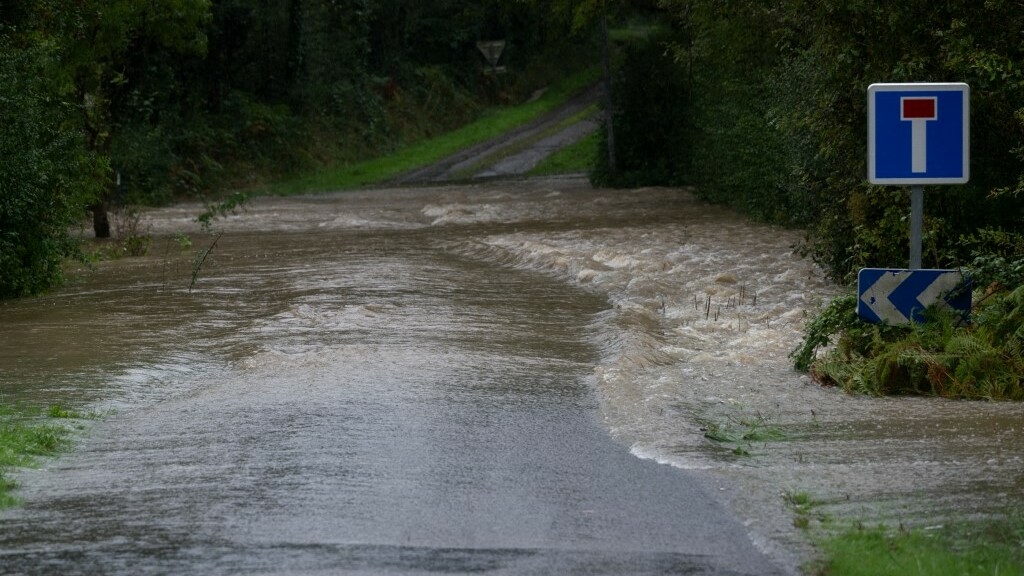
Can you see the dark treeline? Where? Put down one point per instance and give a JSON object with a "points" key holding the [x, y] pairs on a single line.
{"points": [[763, 105], [759, 103], [110, 102]]}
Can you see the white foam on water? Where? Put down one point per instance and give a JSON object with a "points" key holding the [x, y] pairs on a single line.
{"points": [[659, 456], [705, 308]]}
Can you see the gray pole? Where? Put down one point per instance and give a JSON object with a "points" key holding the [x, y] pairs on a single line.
{"points": [[916, 218]]}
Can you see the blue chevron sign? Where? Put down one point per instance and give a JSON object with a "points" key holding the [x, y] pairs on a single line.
{"points": [[889, 296]]}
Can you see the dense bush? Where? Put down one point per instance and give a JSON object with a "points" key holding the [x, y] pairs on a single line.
{"points": [[771, 118], [940, 357], [44, 175]]}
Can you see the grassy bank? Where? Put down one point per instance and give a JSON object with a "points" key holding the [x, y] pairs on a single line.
{"points": [[957, 547], [964, 549], [27, 434], [578, 157], [526, 143], [492, 124]]}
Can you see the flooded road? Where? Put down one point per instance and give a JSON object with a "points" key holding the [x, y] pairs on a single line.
{"points": [[338, 398], [508, 378]]}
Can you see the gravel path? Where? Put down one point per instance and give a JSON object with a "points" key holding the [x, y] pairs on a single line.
{"points": [[515, 152]]}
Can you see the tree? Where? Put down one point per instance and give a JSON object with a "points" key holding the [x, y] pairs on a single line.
{"points": [[105, 46], [45, 172], [61, 68]]}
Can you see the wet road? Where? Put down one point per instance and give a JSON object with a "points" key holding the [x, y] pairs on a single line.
{"points": [[343, 402]]}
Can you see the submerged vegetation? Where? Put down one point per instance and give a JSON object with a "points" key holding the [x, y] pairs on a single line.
{"points": [[742, 433], [26, 435]]}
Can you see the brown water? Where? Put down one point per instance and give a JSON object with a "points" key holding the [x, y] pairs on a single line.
{"points": [[596, 299]]}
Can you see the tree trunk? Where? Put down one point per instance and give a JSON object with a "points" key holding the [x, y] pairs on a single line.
{"points": [[100, 221]]}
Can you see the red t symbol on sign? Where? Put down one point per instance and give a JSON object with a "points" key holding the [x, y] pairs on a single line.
{"points": [[918, 110]]}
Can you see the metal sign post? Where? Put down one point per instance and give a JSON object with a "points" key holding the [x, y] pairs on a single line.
{"points": [[916, 224], [918, 134]]}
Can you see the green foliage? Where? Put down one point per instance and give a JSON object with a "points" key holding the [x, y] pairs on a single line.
{"points": [[940, 357], [221, 209], [738, 156], [838, 317], [575, 158], [183, 241], [997, 256], [24, 438], [44, 173], [804, 507], [964, 549], [58, 410], [779, 111], [743, 432]]}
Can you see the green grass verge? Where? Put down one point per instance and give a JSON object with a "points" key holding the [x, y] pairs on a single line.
{"points": [[27, 434], [578, 157], [526, 143], [995, 548], [493, 123]]}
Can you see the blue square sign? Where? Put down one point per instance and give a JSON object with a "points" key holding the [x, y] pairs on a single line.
{"points": [[918, 133]]}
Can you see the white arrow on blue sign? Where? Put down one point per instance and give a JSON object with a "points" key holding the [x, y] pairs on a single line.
{"points": [[919, 133], [888, 296]]}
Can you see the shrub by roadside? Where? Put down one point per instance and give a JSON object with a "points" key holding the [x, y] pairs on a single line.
{"points": [[981, 360]]}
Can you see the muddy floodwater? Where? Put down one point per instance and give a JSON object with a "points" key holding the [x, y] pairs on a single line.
{"points": [[396, 347]]}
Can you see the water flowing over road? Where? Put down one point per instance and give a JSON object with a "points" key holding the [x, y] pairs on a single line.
{"points": [[351, 396], [514, 377]]}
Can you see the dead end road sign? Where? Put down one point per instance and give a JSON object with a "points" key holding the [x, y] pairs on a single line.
{"points": [[892, 296], [918, 133]]}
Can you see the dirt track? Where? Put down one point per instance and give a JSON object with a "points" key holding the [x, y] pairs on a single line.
{"points": [[515, 152]]}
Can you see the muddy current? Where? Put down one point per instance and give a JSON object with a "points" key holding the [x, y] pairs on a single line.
{"points": [[677, 317]]}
